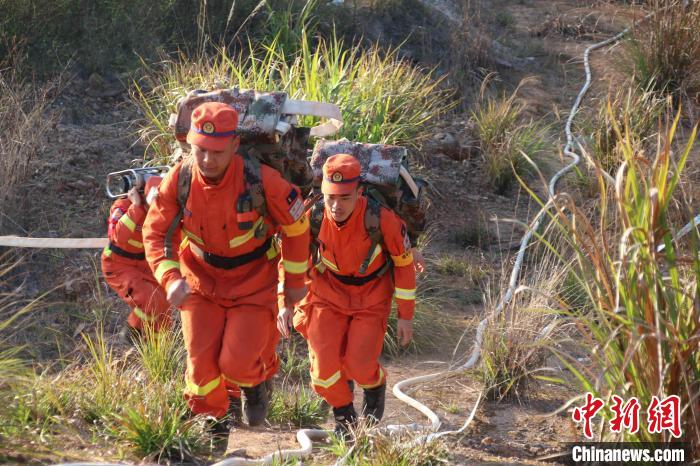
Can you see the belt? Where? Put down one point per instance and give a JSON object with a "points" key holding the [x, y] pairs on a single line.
{"points": [[139, 256], [359, 281], [227, 263]]}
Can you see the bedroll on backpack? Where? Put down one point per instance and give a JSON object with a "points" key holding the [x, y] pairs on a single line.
{"points": [[267, 127], [385, 177]]}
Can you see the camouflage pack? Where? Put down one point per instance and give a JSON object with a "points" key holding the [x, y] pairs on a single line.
{"points": [[385, 177], [267, 127]]}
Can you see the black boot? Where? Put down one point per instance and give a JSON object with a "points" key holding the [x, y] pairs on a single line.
{"points": [[373, 404], [255, 404], [269, 389], [235, 411], [218, 428], [345, 420]]}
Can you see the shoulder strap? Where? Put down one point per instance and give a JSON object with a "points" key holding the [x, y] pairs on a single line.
{"points": [[252, 174], [184, 181], [374, 231]]}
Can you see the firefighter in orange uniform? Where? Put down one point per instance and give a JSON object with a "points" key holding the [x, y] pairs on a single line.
{"points": [[344, 317], [124, 263], [224, 278]]}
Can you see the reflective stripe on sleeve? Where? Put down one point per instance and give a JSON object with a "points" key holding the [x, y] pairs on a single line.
{"points": [[142, 315], [295, 267], [402, 293]]}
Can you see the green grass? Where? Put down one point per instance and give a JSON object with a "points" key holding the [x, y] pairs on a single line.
{"points": [[294, 360], [514, 348], [382, 98], [162, 354], [296, 405], [452, 266], [108, 405], [505, 135]]}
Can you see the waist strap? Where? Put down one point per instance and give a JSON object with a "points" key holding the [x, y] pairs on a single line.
{"points": [[227, 263], [359, 281], [138, 256]]}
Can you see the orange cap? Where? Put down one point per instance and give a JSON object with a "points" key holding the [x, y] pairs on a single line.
{"points": [[341, 174], [213, 125]]}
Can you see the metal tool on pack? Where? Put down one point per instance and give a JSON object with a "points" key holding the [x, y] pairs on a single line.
{"points": [[119, 183]]}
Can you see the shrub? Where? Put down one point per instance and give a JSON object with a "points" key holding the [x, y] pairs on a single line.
{"points": [[505, 135]]}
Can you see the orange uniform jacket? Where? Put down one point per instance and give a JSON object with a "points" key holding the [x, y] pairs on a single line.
{"points": [[344, 248], [124, 231], [210, 222]]}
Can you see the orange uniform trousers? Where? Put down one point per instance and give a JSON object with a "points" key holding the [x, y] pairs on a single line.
{"points": [[135, 285], [227, 347], [344, 345]]}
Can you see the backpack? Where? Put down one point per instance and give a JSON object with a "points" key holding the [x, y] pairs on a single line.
{"points": [[268, 134], [387, 183]]}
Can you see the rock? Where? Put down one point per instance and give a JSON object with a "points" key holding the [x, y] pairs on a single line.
{"points": [[448, 144]]}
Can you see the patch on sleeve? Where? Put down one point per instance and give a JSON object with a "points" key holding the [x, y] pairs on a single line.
{"points": [[296, 209]]}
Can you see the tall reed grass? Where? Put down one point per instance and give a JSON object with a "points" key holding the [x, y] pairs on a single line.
{"points": [[642, 326], [383, 99]]}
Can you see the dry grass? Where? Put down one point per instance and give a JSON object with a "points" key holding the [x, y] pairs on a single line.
{"points": [[663, 53], [24, 122], [505, 135], [517, 339]]}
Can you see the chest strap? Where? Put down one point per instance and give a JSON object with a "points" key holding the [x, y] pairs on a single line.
{"points": [[359, 281], [228, 263], [137, 256]]}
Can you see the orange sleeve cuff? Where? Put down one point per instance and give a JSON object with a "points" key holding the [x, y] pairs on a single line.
{"points": [[405, 290], [294, 280], [405, 309], [169, 277]]}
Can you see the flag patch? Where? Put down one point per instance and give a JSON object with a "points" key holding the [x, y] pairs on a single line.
{"points": [[292, 196]]}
